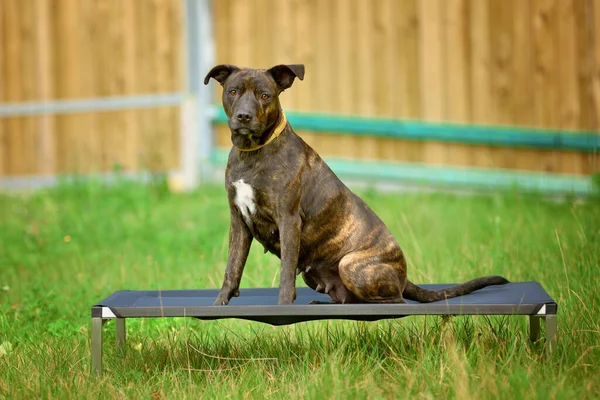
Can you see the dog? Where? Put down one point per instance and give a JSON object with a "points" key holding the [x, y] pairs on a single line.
{"points": [[284, 195]]}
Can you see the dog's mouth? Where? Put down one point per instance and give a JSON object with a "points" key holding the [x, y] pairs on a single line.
{"points": [[244, 132], [248, 130]]}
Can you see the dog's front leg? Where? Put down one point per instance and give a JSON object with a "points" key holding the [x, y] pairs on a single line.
{"points": [[240, 240], [289, 228]]}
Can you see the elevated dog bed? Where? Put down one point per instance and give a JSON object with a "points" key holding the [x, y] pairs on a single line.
{"points": [[260, 304]]}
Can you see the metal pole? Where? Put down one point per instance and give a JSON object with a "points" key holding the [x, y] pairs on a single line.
{"points": [[97, 345], [204, 109], [197, 132], [534, 328], [550, 334], [120, 334]]}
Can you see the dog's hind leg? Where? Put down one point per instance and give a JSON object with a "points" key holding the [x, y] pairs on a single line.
{"points": [[372, 282]]}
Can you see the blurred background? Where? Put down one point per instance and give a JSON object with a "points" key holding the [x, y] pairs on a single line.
{"points": [[486, 93]]}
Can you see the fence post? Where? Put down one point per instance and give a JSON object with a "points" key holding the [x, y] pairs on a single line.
{"points": [[197, 136]]}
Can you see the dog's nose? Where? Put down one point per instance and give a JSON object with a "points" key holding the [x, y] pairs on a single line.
{"points": [[244, 116]]}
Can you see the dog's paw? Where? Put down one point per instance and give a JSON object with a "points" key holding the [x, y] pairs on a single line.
{"points": [[221, 301]]}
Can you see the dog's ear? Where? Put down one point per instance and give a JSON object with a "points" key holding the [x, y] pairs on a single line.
{"points": [[284, 74], [220, 73]]}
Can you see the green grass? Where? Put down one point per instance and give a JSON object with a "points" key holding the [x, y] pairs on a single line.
{"points": [[65, 248]]}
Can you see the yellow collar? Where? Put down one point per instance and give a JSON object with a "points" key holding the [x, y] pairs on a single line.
{"points": [[280, 127]]}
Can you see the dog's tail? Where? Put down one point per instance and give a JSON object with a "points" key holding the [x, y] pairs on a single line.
{"points": [[413, 292]]}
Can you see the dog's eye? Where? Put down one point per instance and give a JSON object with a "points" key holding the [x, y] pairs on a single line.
{"points": [[265, 96], [233, 92]]}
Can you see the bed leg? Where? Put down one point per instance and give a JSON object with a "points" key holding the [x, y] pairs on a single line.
{"points": [[121, 333], [97, 345], [550, 334], [534, 328]]}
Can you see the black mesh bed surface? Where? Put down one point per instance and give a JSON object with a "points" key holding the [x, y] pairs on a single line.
{"points": [[260, 304]]}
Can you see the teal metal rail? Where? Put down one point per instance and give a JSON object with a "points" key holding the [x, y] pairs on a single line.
{"points": [[451, 177], [417, 173], [443, 132]]}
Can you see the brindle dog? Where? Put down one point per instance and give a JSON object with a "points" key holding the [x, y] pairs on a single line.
{"points": [[283, 194]]}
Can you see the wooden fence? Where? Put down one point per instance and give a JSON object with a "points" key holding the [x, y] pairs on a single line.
{"points": [[501, 62], [70, 49], [533, 63]]}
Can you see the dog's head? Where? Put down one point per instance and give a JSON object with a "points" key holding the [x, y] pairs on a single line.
{"points": [[251, 98]]}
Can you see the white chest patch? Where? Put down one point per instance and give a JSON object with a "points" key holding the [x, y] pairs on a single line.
{"points": [[244, 199]]}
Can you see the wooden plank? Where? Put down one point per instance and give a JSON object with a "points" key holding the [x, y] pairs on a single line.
{"points": [[432, 56], [365, 72], [570, 162], [177, 56], [309, 88], [387, 150], [166, 147], [110, 52], [28, 66], [242, 45], [595, 11], [221, 32], [432, 67], [480, 61], [457, 61], [130, 69], [546, 21], [303, 32], [327, 146], [13, 89], [3, 56], [223, 37], [413, 104], [381, 64], [408, 92], [106, 59], [522, 95], [568, 101], [283, 43], [569, 106], [174, 59], [394, 71], [544, 70], [46, 148], [77, 141], [385, 79], [345, 57], [545, 76], [502, 53], [584, 37], [263, 51], [513, 91], [481, 91], [457, 73], [325, 67], [146, 82], [404, 73], [364, 101], [61, 54], [90, 32]]}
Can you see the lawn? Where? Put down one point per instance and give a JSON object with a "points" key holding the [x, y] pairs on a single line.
{"points": [[64, 248]]}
